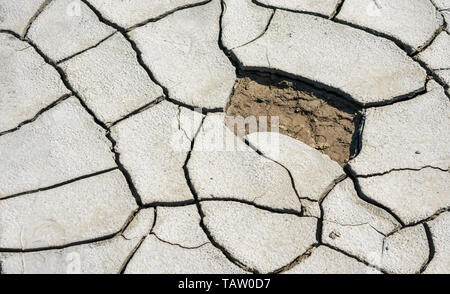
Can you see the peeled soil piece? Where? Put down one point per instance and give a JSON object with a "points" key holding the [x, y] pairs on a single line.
{"points": [[321, 120]]}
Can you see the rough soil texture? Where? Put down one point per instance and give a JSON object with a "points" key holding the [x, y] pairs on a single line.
{"points": [[319, 119]]}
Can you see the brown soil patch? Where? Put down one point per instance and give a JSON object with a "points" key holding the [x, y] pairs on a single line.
{"points": [[323, 121]]}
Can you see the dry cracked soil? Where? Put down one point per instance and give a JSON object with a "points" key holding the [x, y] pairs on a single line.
{"points": [[115, 114]]}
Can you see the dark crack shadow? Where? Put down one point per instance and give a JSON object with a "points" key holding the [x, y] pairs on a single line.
{"points": [[136, 248], [67, 84], [194, 193]]}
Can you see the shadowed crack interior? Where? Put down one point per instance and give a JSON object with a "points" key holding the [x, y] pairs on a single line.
{"points": [[322, 120]]}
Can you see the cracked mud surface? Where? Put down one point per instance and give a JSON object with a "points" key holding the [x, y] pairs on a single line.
{"points": [[321, 120], [115, 157]]}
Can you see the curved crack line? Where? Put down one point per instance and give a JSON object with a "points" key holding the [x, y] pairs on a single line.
{"points": [[256, 2], [350, 173], [432, 249], [136, 248], [319, 230], [169, 204], [337, 10], [403, 46], [400, 169], [124, 33], [431, 39], [260, 35], [297, 260], [59, 184], [67, 84], [85, 50], [355, 257], [139, 110], [261, 207], [179, 245], [358, 225], [37, 115], [155, 19], [34, 17]]}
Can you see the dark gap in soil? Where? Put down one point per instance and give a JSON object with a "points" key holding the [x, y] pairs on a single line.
{"points": [[324, 121]]}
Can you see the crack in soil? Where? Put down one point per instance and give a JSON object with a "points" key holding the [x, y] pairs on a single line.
{"points": [[351, 174], [33, 18], [59, 184], [194, 193], [36, 116]]}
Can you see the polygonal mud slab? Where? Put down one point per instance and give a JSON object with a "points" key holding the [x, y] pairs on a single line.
{"points": [[222, 166], [134, 12], [102, 257], [412, 195], [242, 22], [182, 52], [441, 4], [261, 240], [67, 27], [324, 260], [437, 56], [83, 210], [98, 76], [62, 144], [410, 134], [153, 147], [440, 264], [16, 15], [303, 46], [314, 174], [322, 120], [27, 83], [395, 19], [370, 233], [157, 257], [323, 7]]}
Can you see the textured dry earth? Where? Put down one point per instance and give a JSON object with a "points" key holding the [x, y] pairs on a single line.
{"points": [[117, 155]]}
